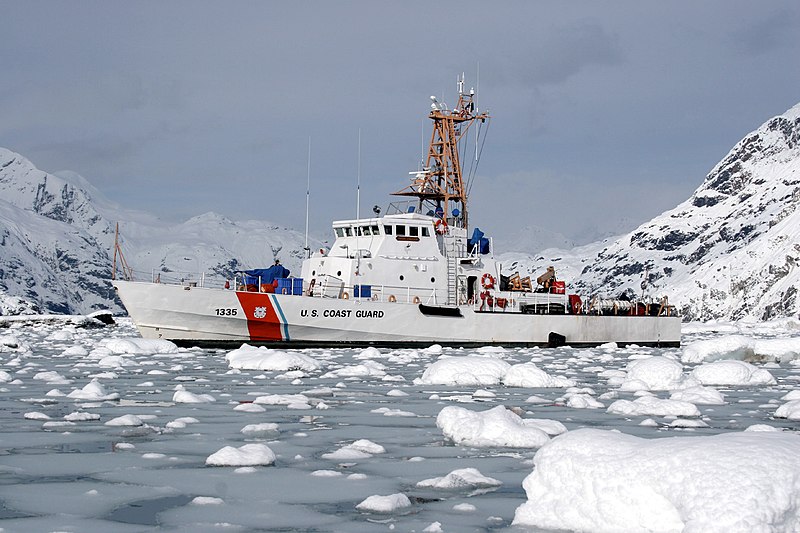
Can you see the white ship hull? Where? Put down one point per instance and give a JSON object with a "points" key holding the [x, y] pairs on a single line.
{"points": [[206, 316]]}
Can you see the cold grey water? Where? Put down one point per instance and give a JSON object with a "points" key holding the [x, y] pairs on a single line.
{"points": [[100, 434]]}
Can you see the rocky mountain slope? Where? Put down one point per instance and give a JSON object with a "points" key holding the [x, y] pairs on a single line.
{"points": [[729, 251], [57, 237]]}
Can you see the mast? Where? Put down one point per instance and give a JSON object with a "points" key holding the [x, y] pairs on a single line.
{"points": [[440, 185]]}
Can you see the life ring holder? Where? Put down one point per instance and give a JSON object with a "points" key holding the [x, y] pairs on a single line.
{"points": [[440, 226], [392, 298], [487, 281], [416, 300]]}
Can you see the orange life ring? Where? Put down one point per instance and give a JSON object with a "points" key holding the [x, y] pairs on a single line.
{"points": [[392, 298], [345, 295], [416, 299], [284, 291], [440, 226], [311, 286], [487, 281]]}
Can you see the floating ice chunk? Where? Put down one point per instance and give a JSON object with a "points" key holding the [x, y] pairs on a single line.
{"points": [[291, 401], [652, 406], [387, 411], [496, 427], [125, 420], [360, 449], [537, 399], [5, 377], [75, 351], [35, 415], [52, 377], [653, 373], [368, 353], [81, 416], [94, 391], [57, 424], [742, 348], [649, 422], [397, 393], [434, 527], [206, 500], [124, 446], [384, 504], [530, 376], [595, 480], [115, 361], [469, 370], [153, 455], [687, 423], [790, 410], [731, 372], [248, 455], [249, 408], [464, 507], [791, 395], [729, 347], [433, 349], [365, 369], [762, 427], [139, 346], [583, 401], [326, 473], [265, 429], [357, 476], [483, 393], [184, 396], [463, 478], [260, 358], [699, 395]]}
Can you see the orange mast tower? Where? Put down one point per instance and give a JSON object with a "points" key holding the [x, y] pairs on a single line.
{"points": [[440, 184]]}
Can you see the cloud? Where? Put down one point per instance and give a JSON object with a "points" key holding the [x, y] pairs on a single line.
{"points": [[761, 35]]}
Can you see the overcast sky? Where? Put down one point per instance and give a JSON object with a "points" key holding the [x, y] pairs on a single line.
{"points": [[604, 114]]}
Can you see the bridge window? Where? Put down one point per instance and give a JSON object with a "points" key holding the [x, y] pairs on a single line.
{"points": [[339, 232], [387, 230], [413, 231], [375, 230], [426, 231], [401, 230]]}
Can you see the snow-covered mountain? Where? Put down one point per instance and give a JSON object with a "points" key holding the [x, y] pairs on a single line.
{"points": [[729, 251], [57, 238]]}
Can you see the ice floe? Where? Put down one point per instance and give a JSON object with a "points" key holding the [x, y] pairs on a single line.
{"points": [[496, 427], [255, 454]]}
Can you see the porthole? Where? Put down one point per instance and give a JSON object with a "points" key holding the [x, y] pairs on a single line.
{"points": [[313, 272], [433, 280], [402, 277], [338, 273]]}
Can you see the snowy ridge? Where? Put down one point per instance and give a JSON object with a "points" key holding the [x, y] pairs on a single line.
{"points": [[57, 237], [729, 251]]}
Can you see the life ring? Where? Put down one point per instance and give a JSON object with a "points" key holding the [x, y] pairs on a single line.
{"points": [[471, 301], [440, 226], [487, 281], [345, 295], [374, 297], [416, 299], [284, 291], [392, 298]]}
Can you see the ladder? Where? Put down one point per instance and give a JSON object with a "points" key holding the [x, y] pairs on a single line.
{"points": [[452, 253]]}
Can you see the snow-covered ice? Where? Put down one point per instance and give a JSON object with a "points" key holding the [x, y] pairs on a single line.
{"points": [[604, 481], [98, 436]]}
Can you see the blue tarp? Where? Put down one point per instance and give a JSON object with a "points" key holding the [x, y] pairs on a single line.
{"points": [[267, 275], [479, 240]]}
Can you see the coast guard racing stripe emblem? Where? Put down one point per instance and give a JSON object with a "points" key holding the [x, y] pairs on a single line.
{"points": [[265, 320]]}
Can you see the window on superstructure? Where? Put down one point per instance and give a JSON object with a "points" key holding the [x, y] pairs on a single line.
{"points": [[366, 231], [426, 231], [347, 232], [375, 230], [401, 230], [413, 231], [339, 232], [387, 230]]}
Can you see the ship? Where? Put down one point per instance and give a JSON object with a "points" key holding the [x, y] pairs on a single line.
{"points": [[412, 276]]}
